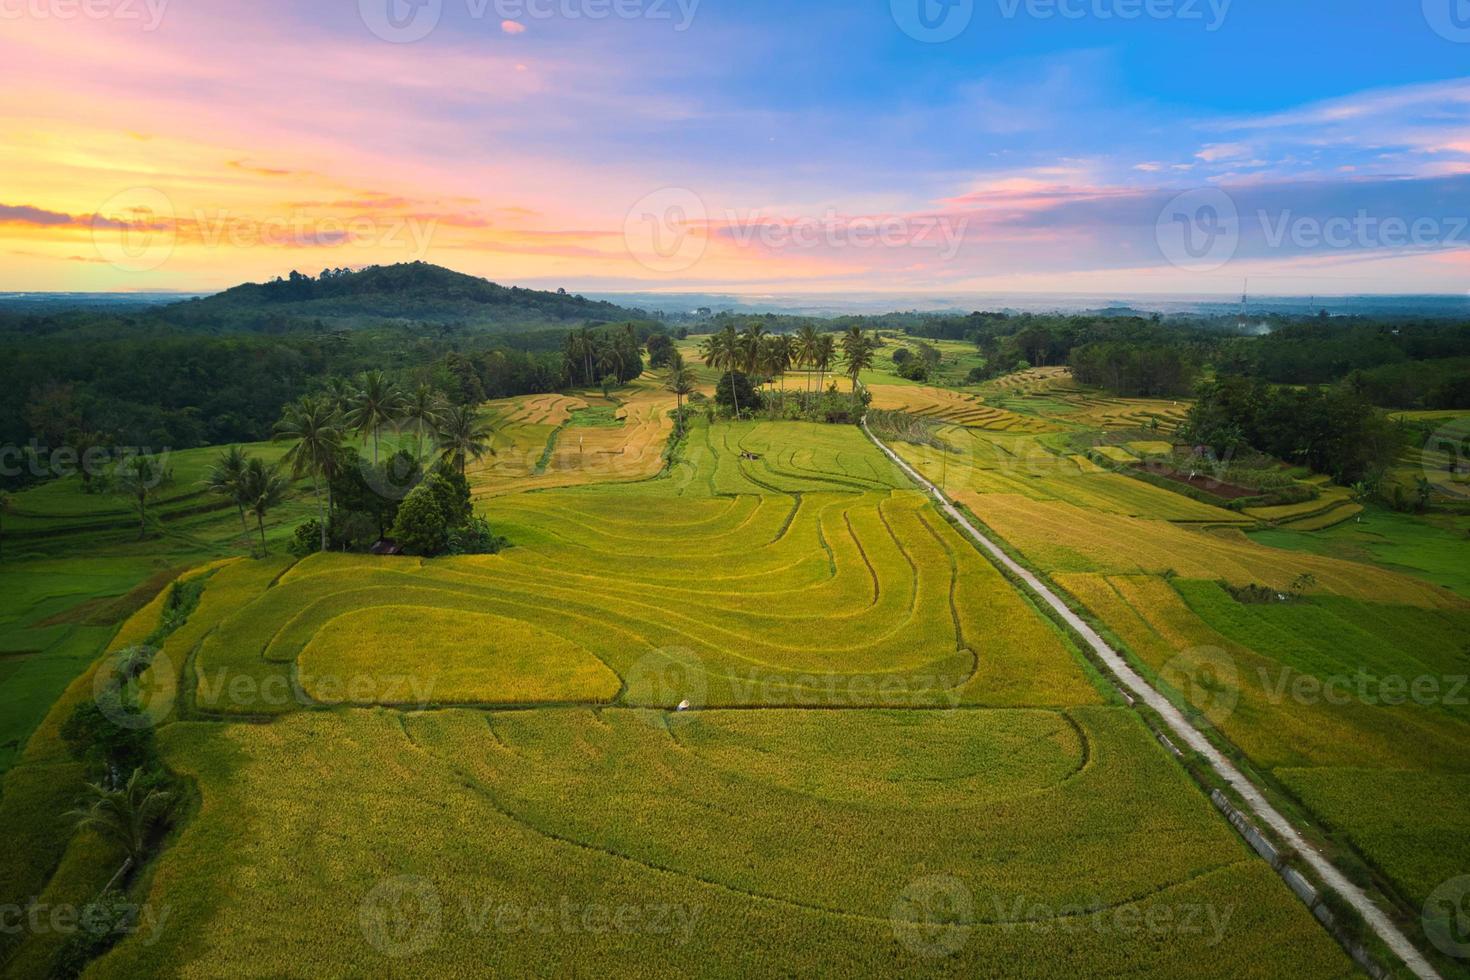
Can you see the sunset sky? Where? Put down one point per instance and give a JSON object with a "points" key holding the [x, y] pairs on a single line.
{"points": [[741, 145]]}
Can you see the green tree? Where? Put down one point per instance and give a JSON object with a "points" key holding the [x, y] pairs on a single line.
{"points": [[857, 353], [137, 479], [265, 488], [463, 435], [425, 408], [312, 423], [126, 816], [420, 527], [376, 402], [680, 384], [223, 480], [7, 503], [804, 349], [824, 358], [722, 352]]}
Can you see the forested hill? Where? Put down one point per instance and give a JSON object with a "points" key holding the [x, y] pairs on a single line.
{"points": [[414, 291]]}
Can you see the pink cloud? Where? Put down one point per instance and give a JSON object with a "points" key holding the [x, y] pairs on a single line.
{"points": [[512, 27]]}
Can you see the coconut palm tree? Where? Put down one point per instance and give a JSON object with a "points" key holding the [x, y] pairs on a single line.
{"points": [[127, 816], [223, 479], [424, 407], [752, 347], [376, 402], [463, 435], [824, 358], [857, 354], [137, 479], [680, 383], [264, 488], [721, 351], [804, 350], [316, 429], [779, 352]]}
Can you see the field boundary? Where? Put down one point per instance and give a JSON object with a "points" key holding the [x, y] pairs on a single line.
{"points": [[1132, 681]]}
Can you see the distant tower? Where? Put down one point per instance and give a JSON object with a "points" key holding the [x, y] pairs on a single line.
{"points": [[1244, 297]]}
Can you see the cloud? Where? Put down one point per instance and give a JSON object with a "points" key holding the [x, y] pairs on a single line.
{"points": [[24, 214], [512, 27]]}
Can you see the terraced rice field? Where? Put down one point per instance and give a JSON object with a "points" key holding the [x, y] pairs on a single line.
{"points": [[958, 408], [539, 445], [459, 750]]}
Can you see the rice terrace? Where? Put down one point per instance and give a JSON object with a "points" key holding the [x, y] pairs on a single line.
{"points": [[909, 489]]}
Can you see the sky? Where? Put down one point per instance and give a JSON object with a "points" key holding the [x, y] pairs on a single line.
{"points": [[1108, 147]]}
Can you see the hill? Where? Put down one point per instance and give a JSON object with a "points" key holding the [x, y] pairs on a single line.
{"points": [[411, 291]]}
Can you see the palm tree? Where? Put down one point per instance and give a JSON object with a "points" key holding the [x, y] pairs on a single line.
{"points": [[779, 351], [126, 815], [857, 354], [341, 392], [804, 350], [752, 347], [464, 435], [681, 384], [376, 403], [722, 352], [223, 479], [424, 407], [264, 488], [316, 428], [825, 356], [136, 478]]}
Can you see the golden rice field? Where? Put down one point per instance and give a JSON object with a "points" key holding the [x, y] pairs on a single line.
{"points": [[407, 767], [943, 404]]}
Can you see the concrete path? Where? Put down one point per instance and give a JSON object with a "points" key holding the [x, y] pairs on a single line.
{"points": [[1181, 727]]}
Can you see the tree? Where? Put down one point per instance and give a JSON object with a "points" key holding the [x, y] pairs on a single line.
{"points": [[264, 488], [136, 479], [126, 816], [857, 353], [722, 352], [779, 352], [804, 349], [463, 435], [660, 351], [424, 407], [313, 425], [752, 347], [824, 358], [6, 504], [377, 402], [680, 384], [223, 479], [421, 528]]}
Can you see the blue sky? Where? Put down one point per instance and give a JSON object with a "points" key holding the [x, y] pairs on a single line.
{"points": [[1043, 145]]}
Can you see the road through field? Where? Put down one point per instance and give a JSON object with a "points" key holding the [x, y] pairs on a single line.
{"points": [[1180, 726]]}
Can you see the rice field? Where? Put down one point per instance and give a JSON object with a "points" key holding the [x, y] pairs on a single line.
{"points": [[956, 407]]}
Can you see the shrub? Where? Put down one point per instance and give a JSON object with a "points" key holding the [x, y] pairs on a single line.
{"points": [[421, 528], [307, 540], [476, 537], [740, 385], [914, 370]]}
